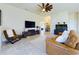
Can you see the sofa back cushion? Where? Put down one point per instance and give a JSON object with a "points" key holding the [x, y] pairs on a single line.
{"points": [[77, 46], [72, 39]]}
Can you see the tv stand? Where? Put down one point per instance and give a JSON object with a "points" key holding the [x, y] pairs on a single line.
{"points": [[30, 32]]}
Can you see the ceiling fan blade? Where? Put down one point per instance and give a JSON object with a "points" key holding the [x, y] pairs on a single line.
{"points": [[39, 5], [43, 5], [50, 7], [47, 4], [46, 9]]}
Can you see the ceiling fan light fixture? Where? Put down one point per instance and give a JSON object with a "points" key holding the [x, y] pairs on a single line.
{"points": [[43, 9], [46, 7]]}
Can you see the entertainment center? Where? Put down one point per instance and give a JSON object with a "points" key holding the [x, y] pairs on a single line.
{"points": [[60, 28], [30, 29]]}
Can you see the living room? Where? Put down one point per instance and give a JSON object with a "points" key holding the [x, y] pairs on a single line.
{"points": [[14, 16]]}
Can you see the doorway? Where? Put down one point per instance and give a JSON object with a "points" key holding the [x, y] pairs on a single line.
{"points": [[47, 21]]}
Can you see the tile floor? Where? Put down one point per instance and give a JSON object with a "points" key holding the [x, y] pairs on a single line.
{"points": [[32, 45]]}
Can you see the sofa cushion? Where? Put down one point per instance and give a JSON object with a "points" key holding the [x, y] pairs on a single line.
{"points": [[10, 33], [71, 42], [72, 39], [55, 37]]}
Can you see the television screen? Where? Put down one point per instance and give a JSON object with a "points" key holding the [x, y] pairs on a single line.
{"points": [[62, 26], [29, 24]]}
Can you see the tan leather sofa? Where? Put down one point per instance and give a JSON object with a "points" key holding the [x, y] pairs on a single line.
{"points": [[55, 48]]}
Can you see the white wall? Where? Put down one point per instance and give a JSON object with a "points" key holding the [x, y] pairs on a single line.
{"points": [[14, 18], [68, 17], [78, 21]]}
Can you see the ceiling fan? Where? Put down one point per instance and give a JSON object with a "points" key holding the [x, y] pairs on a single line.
{"points": [[46, 7]]}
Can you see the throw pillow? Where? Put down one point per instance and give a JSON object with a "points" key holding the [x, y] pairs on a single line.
{"points": [[63, 37]]}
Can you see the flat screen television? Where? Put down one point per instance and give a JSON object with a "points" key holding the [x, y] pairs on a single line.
{"points": [[61, 26], [29, 24]]}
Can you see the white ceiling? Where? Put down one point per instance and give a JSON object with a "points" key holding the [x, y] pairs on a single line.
{"points": [[33, 7]]}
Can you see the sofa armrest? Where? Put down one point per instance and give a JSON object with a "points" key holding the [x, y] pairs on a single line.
{"points": [[77, 46], [53, 47]]}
